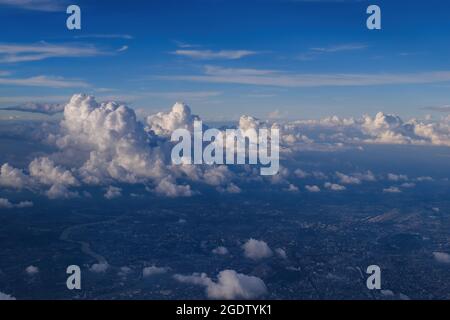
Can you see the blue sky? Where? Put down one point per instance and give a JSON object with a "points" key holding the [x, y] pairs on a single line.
{"points": [[287, 58]]}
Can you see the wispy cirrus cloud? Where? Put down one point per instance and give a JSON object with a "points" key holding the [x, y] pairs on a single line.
{"points": [[37, 5], [445, 108], [22, 100], [214, 55], [34, 107], [44, 81], [340, 48], [185, 45], [13, 53], [326, 1], [194, 95], [104, 36], [122, 49], [168, 95], [317, 51], [277, 78]]}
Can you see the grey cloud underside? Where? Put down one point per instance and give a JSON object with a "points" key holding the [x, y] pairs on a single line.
{"points": [[438, 109], [43, 108], [104, 145]]}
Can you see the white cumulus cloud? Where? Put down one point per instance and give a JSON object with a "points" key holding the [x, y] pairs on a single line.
{"points": [[229, 285], [6, 204], [442, 257], [4, 297], [220, 251], [32, 270], [256, 249], [153, 270], [113, 192]]}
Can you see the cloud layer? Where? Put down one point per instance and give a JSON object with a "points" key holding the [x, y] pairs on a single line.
{"points": [[104, 145]]}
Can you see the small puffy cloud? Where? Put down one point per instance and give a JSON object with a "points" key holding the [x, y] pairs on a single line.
{"points": [[46, 172], [291, 188], [387, 293], [12, 178], [24, 204], [6, 204], [300, 173], [319, 175], [408, 185], [166, 187], [256, 249], [334, 187], [113, 192], [312, 188], [32, 270], [422, 179], [229, 285], [367, 176], [124, 271], [345, 179], [99, 267], [59, 191], [230, 188], [220, 251], [397, 177], [442, 257], [4, 297], [217, 176], [356, 178], [281, 253], [153, 271], [392, 190]]}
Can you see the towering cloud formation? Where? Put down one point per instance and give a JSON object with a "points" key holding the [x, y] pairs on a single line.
{"points": [[112, 144], [386, 128], [249, 122], [104, 144], [180, 117]]}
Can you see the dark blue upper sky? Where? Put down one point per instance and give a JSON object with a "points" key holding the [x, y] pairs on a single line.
{"points": [[299, 58]]}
